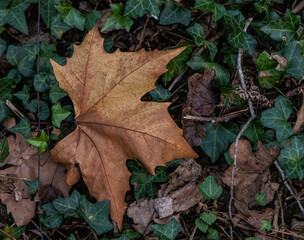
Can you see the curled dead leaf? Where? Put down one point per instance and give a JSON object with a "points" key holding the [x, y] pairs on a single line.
{"points": [[300, 117], [200, 102], [281, 60], [264, 74]]}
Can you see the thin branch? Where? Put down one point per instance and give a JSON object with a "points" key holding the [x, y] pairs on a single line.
{"points": [[5, 233], [288, 186], [252, 114], [298, 7], [14, 109], [224, 118]]}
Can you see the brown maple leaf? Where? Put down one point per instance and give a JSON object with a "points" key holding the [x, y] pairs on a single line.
{"points": [[113, 125]]}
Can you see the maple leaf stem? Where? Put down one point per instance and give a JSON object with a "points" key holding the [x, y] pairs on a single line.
{"points": [[252, 116]]}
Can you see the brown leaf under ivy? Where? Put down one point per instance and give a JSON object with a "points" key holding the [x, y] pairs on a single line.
{"points": [[113, 125], [200, 102]]}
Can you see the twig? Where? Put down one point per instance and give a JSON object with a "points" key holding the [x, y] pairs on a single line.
{"points": [[143, 33], [224, 118], [7, 234], [252, 114], [288, 186], [14, 109], [193, 233], [298, 7], [42, 231]]}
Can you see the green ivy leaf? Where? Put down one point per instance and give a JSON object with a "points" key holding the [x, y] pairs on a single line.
{"points": [[160, 94], [108, 44], [14, 74], [137, 8], [199, 63], [14, 232], [209, 188], [243, 40], [208, 217], [23, 58], [197, 33], [285, 28], [58, 114], [32, 185], [56, 93], [234, 21], [91, 19], [173, 13], [96, 214], [254, 131], [261, 199], [117, 20], [7, 87], [213, 234], [212, 49], [262, 6], [71, 16], [43, 81], [269, 139], [211, 6], [4, 150], [266, 225], [201, 225], [168, 231], [71, 237], [291, 159], [24, 95], [3, 46], [177, 65], [67, 205], [268, 74], [23, 127], [53, 218], [276, 118], [48, 10], [40, 142], [44, 108], [218, 138], [58, 27]]}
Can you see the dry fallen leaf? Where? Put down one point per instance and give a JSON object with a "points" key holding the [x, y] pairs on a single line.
{"points": [[200, 102], [252, 176], [300, 117], [22, 162], [113, 125]]}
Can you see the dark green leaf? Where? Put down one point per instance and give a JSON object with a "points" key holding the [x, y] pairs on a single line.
{"points": [[71, 237], [168, 231], [268, 74], [108, 44], [14, 232], [197, 33], [58, 114], [56, 93], [208, 217], [4, 150], [24, 95], [199, 63], [32, 185], [42, 81], [209, 188], [212, 49], [160, 94], [213, 234], [285, 29], [67, 205], [269, 139], [254, 131], [117, 20], [48, 10], [137, 8], [211, 6], [234, 21], [91, 19], [201, 225], [53, 218], [261, 199], [44, 108], [243, 40], [291, 159], [71, 16], [40, 142], [173, 13], [218, 138], [58, 27], [23, 127], [3, 46], [96, 214], [276, 118]]}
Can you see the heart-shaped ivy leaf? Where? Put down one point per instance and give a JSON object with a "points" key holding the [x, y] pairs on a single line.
{"points": [[209, 188]]}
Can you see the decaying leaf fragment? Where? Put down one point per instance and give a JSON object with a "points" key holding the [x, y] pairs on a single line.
{"points": [[113, 125], [300, 118], [22, 162], [252, 176], [200, 102]]}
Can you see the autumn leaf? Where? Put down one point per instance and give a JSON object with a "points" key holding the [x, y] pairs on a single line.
{"points": [[113, 125]]}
